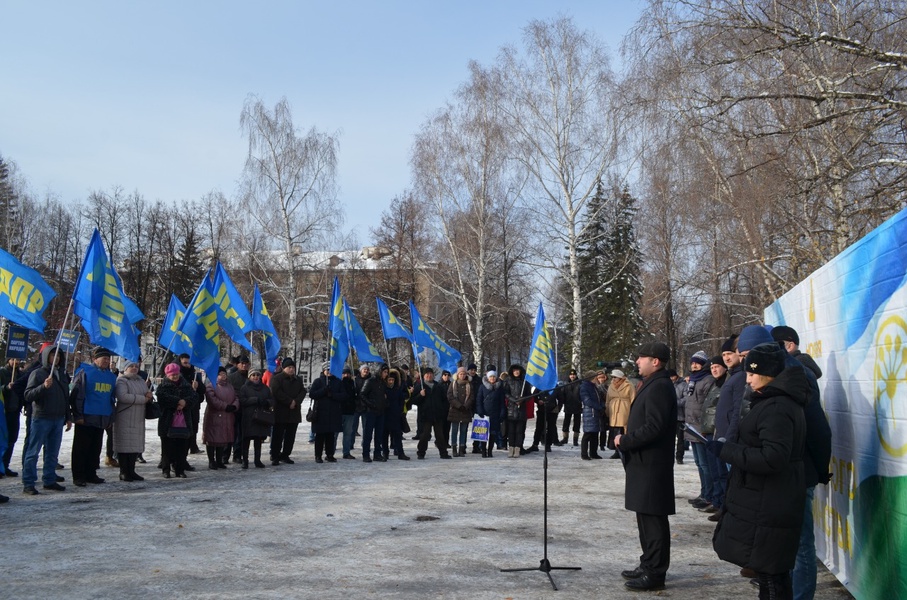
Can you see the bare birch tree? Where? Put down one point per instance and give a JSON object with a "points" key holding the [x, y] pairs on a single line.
{"points": [[556, 97], [288, 189], [462, 168]]}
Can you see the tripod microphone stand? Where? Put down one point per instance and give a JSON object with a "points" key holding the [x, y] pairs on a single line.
{"points": [[544, 564]]}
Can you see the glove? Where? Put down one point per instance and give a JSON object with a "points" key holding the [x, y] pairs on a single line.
{"points": [[714, 446], [231, 408]]}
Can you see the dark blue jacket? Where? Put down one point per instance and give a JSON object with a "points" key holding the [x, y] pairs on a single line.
{"points": [[592, 407], [727, 414]]}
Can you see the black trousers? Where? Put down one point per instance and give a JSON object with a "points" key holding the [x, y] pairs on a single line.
{"points": [[655, 540], [545, 428], [440, 441], [589, 444], [283, 436], [577, 421], [325, 443], [12, 434], [681, 443], [516, 433], [173, 453], [87, 442]]}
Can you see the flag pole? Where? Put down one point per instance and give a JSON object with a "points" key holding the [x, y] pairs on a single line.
{"points": [[53, 363]]}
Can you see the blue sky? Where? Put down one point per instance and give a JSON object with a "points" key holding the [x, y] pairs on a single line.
{"points": [[147, 95]]}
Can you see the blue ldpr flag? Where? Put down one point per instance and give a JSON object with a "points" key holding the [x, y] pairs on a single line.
{"points": [[365, 350], [200, 325], [541, 371], [261, 321], [171, 337], [424, 337], [107, 314], [340, 343], [23, 293], [391, 326], [233, 316]]}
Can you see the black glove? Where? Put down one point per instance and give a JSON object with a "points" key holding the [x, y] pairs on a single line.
{"points": [[231, 408], [714, 446]]}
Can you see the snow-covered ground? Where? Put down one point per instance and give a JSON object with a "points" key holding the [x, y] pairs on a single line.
{"points": [[419, 529]]}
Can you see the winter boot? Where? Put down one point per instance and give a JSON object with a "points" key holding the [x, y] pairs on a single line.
{"points": [[219, 459], [258, 462], [564, 439], [211, 463]]}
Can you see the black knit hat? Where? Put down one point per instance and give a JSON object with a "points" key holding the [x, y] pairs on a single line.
{"points": [[287, 362], [765, 359], [730, 344]]}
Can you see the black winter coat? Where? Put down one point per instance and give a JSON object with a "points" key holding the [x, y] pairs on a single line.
{"points": [[648, 447], [763, 510], [285, 389], [254, 397], [168, 395], [328, 394], [371, 395], [569, 397], [433, 406]]}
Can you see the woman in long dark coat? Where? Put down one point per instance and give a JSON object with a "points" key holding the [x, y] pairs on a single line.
{"points": [[255, 398], [593, 407], [327, 393], [760, 521], [175, 395], [219, 419], [490, 403]]}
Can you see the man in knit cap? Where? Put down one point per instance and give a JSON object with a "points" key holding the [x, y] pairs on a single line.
{"points": [[92, 406]]}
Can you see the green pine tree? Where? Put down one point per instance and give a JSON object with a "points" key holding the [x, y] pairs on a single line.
{"points": [[609, 279]]}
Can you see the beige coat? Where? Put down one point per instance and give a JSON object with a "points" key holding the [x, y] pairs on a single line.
{"points": [[129, 426], [620, 396]]}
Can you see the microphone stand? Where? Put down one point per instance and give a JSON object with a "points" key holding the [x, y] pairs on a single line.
{"points": [[544, 564]]}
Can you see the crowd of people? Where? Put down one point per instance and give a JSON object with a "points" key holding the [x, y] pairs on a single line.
{"points": [[751, 415], [761, 442]]}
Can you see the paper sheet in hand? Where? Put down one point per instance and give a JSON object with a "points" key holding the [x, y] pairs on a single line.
{"points": [[692, 430]]}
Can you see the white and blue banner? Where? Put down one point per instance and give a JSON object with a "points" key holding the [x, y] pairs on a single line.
{"points": [[851, 316]]}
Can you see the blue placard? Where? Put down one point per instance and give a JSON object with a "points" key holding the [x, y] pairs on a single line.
{"points": [[67, 340], [480, 427], [17, 344]]}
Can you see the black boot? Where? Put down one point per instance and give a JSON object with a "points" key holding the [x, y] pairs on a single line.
{"points": [[245, 453], [211, 464], [219, 459], [124, 469], [576, 438], [258, 462], [135, 476]]}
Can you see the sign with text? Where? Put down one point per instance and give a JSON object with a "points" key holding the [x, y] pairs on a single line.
{"points": [[480, 428], [17, 344], [68, 340]]}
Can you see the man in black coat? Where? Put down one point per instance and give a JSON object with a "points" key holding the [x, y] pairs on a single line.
{"points": [[431, 398], [648, 454]]}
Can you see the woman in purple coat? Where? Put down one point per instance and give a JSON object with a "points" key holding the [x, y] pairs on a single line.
{"points": [[219, 417]]}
